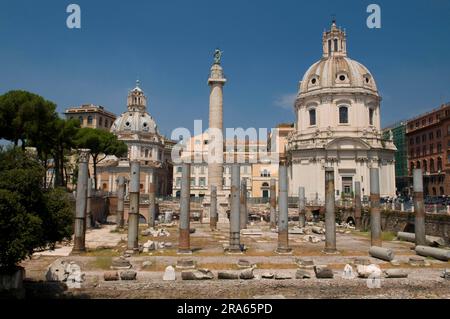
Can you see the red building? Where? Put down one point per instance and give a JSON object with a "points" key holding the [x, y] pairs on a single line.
{"points": [[428, 140]]}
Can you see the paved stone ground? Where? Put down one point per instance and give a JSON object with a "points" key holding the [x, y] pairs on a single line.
{"points": [[207, 247]]}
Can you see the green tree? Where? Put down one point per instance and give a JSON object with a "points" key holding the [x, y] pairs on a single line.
{"points": [[101, 143], [30, 217]]}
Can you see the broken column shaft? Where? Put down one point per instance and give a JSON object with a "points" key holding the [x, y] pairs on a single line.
{"points": [[120, 201], [330, 215], [283, 217], [81, 201], [419, 209], [235, 240], [151, 205], [213, 216], [375, 211], [301, 206], [357, 205], [273, 203], [184, 246], [133, 212], [243, 208]]}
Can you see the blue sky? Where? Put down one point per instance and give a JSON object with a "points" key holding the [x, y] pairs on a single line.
{"points": [[268, 45]]}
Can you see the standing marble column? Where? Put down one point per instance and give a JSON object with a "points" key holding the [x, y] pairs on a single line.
{"points": [[330, 216], [81, 201], [213, 216], [235, 240], [283, 216], [216, 81], [151, 206], [243, 208], [120, 201], [419, 208], [133, 213], [375, 213], [357, 205], [184, 246], [301, 207], [273, 203]]}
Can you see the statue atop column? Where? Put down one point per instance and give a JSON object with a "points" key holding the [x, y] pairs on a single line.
{"points": [[217, 56]]}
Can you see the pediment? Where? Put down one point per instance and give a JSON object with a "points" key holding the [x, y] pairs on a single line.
{"points": [[347, 143]]}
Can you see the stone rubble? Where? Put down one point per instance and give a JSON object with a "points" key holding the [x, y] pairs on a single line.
{"points": [[323, 272], [169, 274], [198, 274], [302, 274], [128, 275], [110, 276], [246, 274], [228, 275], [348, 272], [120, 263], [370, 271], [68, 272], [395, 273]]}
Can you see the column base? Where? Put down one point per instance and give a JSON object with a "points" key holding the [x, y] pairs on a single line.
{"points": [[330, 251], [283, 251], [184, 252]]}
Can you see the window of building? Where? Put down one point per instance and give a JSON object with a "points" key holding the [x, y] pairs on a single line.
{"points": [[312, 117], [202, 169], [202, 181], [417, 140], [179, 169], [371, 111], [417, 164], [439, 147], [100, 121], [106, 123], [430, 120], [431, 148], [343, 115], [424, 138], [329, 46], [178, 181], [335, 45], [417, 124], [438, 133], [411, 141], [425, 166], [430, 136], [439, 164], [80, 118], [432, 167], [192, 181], [424, 150], [89, 119], [265, 173], [424, 122]]}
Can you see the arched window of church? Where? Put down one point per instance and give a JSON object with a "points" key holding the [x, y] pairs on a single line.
{"points": [[371, 112], [329, 46], [146, 152], [335, 45], [312, 117], [343, 115]]}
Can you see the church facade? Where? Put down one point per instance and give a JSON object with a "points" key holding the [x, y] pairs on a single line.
{"points": [[137, 128], [338, 125]]}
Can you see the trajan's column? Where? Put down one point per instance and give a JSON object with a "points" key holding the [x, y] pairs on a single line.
{"points": [[216, 82]]}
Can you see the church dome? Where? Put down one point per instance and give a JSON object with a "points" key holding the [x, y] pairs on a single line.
{"points": [[335, 71], [136, 119]]}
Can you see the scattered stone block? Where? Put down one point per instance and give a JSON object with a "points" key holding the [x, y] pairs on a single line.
{"points": [[110, 276], [318, 230], [395, 262], [169, 274], [282, 276], [267, 275], [246, 274], [120, 263], [199, 274], [302, 274], [146, 264], [370, 271], [348, 272], [446, 274], [74, 275], [323, 272], [395, 273], [56, 271], [185, 263], [228, 275], [305, 263], [243, 263], [128, 275], [417, 261]]}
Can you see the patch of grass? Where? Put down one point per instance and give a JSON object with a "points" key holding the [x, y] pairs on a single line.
{"points": [[102, 262], [102, 252], [386, 236]]}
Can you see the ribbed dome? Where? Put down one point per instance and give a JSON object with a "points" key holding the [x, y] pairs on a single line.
{"points": [[134, 121], [337, 72]]}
